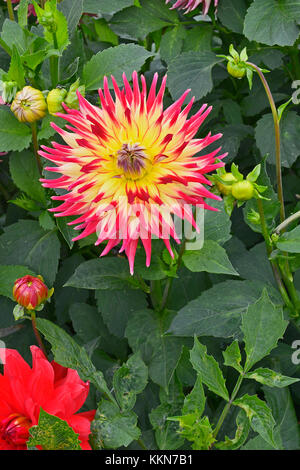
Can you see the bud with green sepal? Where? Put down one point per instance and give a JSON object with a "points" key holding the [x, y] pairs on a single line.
{"points": [[237, 65], [46, 16], [236, 189], [55, 99]]}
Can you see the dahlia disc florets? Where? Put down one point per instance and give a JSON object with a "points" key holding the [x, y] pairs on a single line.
{"points": [[129, 165]]}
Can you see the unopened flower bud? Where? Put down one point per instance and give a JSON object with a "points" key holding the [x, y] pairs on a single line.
{"points": [[54, 100], [242, 190], [8, 90], [224, 188], [30, 292], [29, 105]]}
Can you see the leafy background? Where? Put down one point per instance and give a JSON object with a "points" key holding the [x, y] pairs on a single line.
{"points": [[100, 320]]}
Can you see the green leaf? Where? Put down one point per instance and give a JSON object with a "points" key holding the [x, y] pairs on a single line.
{"points": [[191, 70], [104, 7], [272, 22], [271, 378], [145, 333], [105, 34], [217, 225], [22, 13], [231, 13], [14, 135], [281, 403], [262, 325], [290, 241], [116, 309], [8, 276], [232, 356], [171, 43], [111, 429], [46, 221], [13, 35], [218, 311], [137, 23], [113, 61], [241, 434], [25, 174], [129, 380], [198, 431], [72, 10], [66, 230], [260, 416], [69, 354], [53, 433], [26, 243], [16, 72], [290, 146], [212, 258], [194, 402], [208, 370], [104, 273]]}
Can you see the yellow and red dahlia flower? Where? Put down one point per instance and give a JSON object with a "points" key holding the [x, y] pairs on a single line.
{"points": [[190, 5], [129, 165]]}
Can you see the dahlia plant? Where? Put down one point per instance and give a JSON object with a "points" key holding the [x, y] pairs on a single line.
{"points": [[149, 227]]}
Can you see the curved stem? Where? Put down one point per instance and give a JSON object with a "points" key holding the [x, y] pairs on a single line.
{"points": [[36, 332], [277, 138], [10, 10], [287, 222]]}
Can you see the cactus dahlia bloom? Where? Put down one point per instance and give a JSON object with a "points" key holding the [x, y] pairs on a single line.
{"points": [[129, 165], [25, 390], [190, 5]]}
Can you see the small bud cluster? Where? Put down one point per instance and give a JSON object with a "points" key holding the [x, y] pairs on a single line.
{"points": [[235, 188]]}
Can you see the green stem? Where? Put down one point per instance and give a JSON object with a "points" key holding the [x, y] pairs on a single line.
{"points": [[287, 222], [43, 3], [10, 10], [54, 64], [142, 445], [276, 272], [36, 146], [228, 405], [36, 332], [277, 138]]}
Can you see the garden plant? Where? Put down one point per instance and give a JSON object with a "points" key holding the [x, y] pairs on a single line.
{"points": [[149, 225]]}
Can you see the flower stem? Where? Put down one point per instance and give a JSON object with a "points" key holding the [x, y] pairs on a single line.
{"points": [[54, 64], [10, 10], [287, 222], [36, 332], [36, 146], [277, 138], [228, 405], [276, 272]]}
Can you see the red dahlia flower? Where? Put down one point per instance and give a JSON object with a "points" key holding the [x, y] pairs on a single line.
{"points": [[190, 5], [24, 390], [129, 165]]}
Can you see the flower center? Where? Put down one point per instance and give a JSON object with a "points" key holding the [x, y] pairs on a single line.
{"points": [[131, 158], [15, 429]]}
